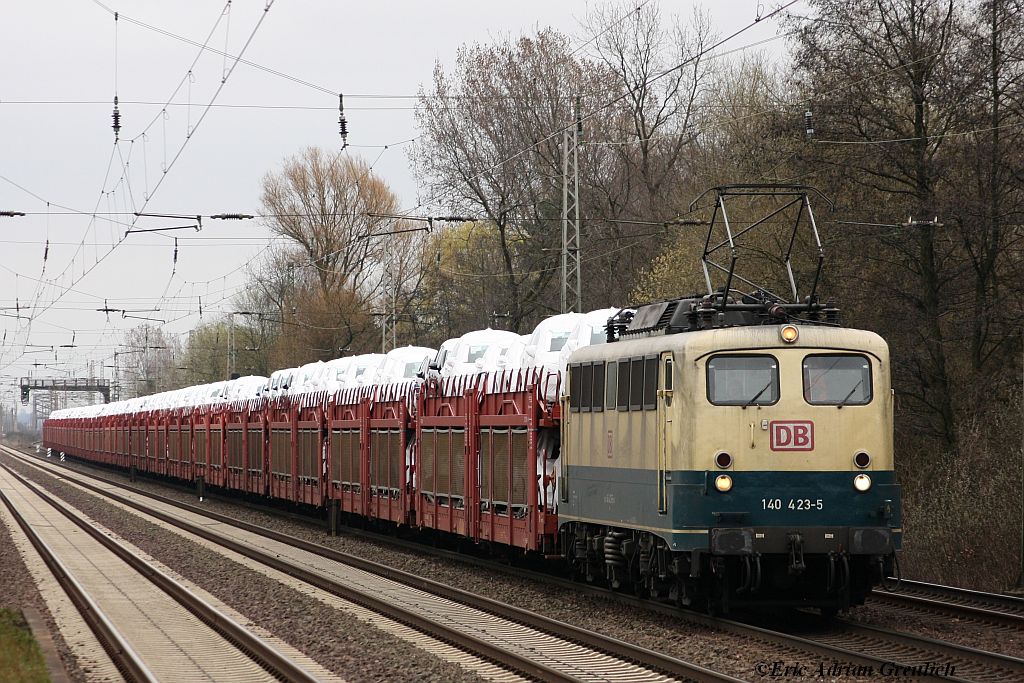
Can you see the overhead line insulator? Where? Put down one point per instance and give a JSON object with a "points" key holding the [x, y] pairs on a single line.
{"points": [[342, 121], [116, 116]]}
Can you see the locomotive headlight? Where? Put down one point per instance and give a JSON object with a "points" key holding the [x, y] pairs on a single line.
{"points": [[862, 482], [789, 333], [723, 482]]}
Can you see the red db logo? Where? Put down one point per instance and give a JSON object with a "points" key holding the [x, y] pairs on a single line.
{"points": [[792, 436]]}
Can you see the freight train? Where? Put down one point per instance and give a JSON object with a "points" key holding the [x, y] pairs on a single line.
{"points": [[714, 450]]}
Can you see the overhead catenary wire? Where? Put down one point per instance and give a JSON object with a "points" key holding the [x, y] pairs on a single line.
{"points": [[300, 81], [103, 192], [386, 146], [245, 46], [378, 157], [586, 115], [238, 59], [939, 136]]}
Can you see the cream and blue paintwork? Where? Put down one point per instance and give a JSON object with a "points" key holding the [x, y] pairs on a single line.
{"points": [[655, 469]]}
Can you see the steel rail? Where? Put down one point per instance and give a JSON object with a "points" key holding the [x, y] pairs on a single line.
{"points": [[1010, 601], [595, 641], [827, 649], [992, 660], [944, 607], [117, 648], [269, 657], [1004, 610]]}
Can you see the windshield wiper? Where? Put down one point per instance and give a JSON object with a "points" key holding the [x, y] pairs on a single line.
{"points": [[757, 395], [847, 398]]}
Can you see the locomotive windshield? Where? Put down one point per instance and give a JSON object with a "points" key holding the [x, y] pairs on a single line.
{"points": [[743, 380], [837, 380]]}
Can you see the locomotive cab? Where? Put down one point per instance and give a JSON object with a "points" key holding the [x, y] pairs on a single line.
{"points": [[795, 437]]}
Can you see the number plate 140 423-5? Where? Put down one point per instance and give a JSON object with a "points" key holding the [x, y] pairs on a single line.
{"points": [[792, 504]]}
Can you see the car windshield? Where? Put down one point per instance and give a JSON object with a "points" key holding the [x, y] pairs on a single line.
{"points": [[598, 335], [476, 352], [841, 380], [411, 368], [743, 380], [558, 341]]}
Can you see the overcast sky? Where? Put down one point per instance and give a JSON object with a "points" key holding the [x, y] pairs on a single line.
{"points": [[57, 81]]}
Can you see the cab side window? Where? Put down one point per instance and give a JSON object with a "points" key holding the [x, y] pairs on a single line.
{"points": [[586, 387], [623, 389], [586, 371], [636, 384], [612, 386], [575, 386], [597, 404], [650, 382]]}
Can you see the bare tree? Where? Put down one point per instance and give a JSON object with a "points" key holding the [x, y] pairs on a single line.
{"points": [[663, 75], [990, 218], [146, 361], [274, 287], [460, 266], [641, 170], [491, 147], [206, 353], [348, 255], [888, 74], [333, 207]]}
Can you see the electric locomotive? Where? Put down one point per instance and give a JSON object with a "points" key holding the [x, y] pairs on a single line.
{"points": [[719, 456], [729, 448]]}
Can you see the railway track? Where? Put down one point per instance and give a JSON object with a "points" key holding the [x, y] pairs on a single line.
{"points": [[841, 642], [518, 639], [152, 627], [946, 660], [992, 608]]}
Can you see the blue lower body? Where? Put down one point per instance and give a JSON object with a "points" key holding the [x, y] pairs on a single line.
{"points": [[757, 515]]}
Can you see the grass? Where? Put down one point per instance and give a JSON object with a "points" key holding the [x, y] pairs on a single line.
{"points": [[20, 657]]}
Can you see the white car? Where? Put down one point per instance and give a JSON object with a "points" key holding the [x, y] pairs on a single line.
{"points": [[280, 381], [333, 374], [403, 363], [361, 370], [245, 387], [305, 378], [496, 357], [467, 354], [547, 341], [589, 330]]}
